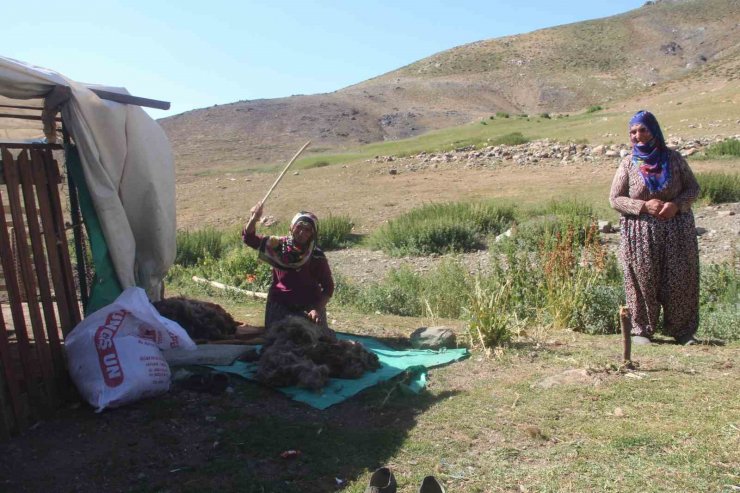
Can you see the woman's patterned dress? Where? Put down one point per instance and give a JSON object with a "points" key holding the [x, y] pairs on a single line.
{"points": [[660, 258]]}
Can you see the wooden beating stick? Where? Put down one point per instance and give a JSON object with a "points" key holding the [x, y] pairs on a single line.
{"points": [[280, 177]]}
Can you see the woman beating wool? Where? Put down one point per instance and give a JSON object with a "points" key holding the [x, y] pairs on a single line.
{"points": [[302, 283], [653, 189]]}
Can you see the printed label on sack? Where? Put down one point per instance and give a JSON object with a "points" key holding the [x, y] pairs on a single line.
{"points": [[110, 363]]}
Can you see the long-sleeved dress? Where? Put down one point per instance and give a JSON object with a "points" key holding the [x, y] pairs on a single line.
{"points": [[660, 258], [295, 292]]}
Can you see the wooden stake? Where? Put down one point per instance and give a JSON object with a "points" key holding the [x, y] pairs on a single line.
{"points": [[625, 322], [280, 177]]}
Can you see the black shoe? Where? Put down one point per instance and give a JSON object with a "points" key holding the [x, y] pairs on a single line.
{"points": [[382, 481], [430, 485], [687, 340]]}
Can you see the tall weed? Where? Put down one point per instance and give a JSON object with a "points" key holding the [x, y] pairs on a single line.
{"points": [[442, 228], [194, 246], [488, 321], [570, 273], [440, 293], [542, 225], [445, 290], [726, 148], [718, 188], [334, 232], [397, 294]]}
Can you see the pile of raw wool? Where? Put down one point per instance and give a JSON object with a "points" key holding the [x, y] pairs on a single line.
{"points": [[202, 320], [301, 353]]}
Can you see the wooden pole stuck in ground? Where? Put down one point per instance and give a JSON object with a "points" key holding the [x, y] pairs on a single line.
{"points": [[625, 323], [280, 177]]}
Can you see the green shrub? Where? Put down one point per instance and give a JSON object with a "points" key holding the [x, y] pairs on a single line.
{"points": [[521, 272], [445, 290], [723, 324], [720, 285], [594, 109], [193, 246], [726, 148], [397, 294], [346, 293], [502, 114], [718, 188], [239, 267], [545, 223], [442, 228], [440, 293], [512, 139], [334, 232], [600, 311]]}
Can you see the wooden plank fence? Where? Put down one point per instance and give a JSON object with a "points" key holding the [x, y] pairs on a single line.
{"points": [[38, 298]]}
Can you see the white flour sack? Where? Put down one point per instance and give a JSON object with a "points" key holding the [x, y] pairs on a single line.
{"points": [[114, 355]]}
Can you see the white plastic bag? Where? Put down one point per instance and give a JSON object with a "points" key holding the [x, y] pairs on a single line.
{"points": [[114, 355]]}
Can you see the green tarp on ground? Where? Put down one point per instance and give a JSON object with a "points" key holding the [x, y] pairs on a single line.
{"points": [[393, 362]]}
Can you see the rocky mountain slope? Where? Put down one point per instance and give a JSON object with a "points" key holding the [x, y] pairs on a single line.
{"points": [[564, 68]]}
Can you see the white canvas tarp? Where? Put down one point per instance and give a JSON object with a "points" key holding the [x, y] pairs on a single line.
{"points": [[128, 166]]}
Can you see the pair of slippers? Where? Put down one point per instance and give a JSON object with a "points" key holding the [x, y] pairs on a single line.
{"points": [[212, 383], [383, 481]]}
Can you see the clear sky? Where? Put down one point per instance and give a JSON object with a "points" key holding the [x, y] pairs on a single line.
{"points": [[200, 53]]}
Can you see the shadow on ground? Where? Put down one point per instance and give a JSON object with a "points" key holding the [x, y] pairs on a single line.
{"points": [[248, 439]]}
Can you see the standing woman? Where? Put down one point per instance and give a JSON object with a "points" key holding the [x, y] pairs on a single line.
{"points": [[302, 283], [653, 189]]}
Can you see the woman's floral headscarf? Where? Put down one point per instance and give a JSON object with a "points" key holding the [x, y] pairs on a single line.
{"points": [[651, 158], [283, 252]]}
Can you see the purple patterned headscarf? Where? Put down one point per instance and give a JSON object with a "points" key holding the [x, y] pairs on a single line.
{"points": [[651, 158]]}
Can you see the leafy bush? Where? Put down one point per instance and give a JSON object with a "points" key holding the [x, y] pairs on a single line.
{"points": [[440, 293], [726, 148], [600, 311], [594, 109], [502, 114], [553, 219], [442, 228], [239, 267], [194, 246], [723, 324], [512, 139], [334, 232], [720, 284], [719, 188], [445, 290], [720, 301], [397, 294]]}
